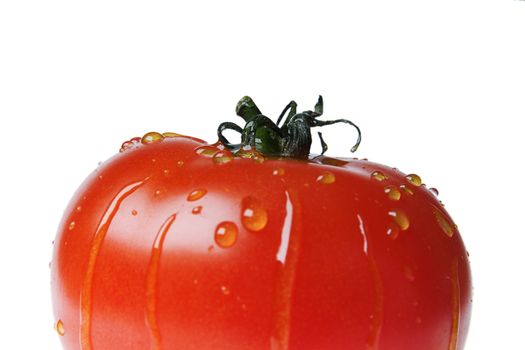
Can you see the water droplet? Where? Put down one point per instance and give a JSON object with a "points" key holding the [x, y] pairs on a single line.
{"points": [[409, 273], [206, 151], [225, 290], [180, 163], [392, 192], [226, 234], [434, 191], [379, 176], [414, 179], [197, 194], [197, 210], [248, 152], [254, 217], [79, 209], [444, 223], [418, 320], [59, 327], [210, 249], [393, 231], [134, 212], [326, 178], [278, 172], [400, 219], [158, 192], [166, 172], [151, 137], [406, 189], [126, 145], [170, 134], [71, 225], [222, 157]]}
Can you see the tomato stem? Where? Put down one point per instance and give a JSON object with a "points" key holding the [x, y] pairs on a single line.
{"points": [[292, 139]]}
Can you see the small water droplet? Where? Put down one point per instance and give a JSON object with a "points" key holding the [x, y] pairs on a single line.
{"points": [[392, 192], [225, 290], [100, 177], [418, 320], [59, 327], [170, 134], [278, 172], [444, 223], [222, 157], [151, 137], [400, 219], [326, 178], [414, 179], [134, 212], [248, 152], [196, 194], [180, 163], [226, 234], [158, 192], [392, 231], [71, 225], [253, 216], [210, 249], [197, 210], [409, 273], [434, 191], [206, 151], [79, 209], [166, 172], [126, 145], [379, 176], [406, 189]]}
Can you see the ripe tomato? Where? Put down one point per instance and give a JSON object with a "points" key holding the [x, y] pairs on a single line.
{"points": [[177, 244]]}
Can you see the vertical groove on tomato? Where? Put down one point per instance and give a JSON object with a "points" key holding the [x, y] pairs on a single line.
{"points": [[287, 270], [96, 244], [151, 282], [377, 315], [455, 303]]}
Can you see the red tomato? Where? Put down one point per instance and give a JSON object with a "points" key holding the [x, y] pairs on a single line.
{"points": [[177, 244]]}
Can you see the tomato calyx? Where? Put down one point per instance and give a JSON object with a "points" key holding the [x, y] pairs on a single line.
{"points": [[292, 139]]}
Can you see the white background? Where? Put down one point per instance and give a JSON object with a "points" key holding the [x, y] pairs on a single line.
{"points": [[438, 88]]}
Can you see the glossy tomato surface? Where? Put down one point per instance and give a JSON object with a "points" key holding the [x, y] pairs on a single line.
{"points": [[176, 244]]}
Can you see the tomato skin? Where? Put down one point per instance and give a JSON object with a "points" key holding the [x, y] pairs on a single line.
{"points": [[322, 271]]}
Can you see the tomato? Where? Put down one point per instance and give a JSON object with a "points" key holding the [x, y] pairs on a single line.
{"points": [[178, 244]]}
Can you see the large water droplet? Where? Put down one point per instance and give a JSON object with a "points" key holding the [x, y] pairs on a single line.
{"points": [[222, 157], [326, 178], [197, 194], [414, 179], [59, 327], [226, 234], [392, 192], [254, 216], [400, 219], [379, 176], [444, 223], [151, 137]]}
